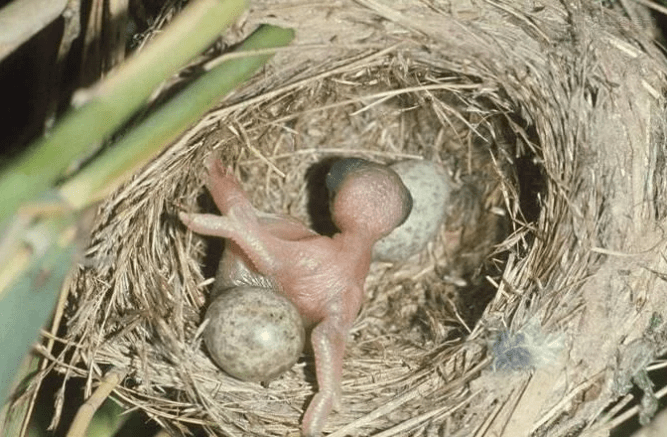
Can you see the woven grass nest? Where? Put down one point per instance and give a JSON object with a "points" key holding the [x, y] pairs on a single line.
{"points": [[540, 300]]}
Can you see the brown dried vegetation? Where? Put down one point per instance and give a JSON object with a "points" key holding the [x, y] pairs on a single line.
{"points": [[550, 119]]}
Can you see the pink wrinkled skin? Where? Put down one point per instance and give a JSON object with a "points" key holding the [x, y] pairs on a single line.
{"points": [[323, 276], [233, 270]]}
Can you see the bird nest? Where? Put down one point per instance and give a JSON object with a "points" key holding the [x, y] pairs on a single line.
{"points": [[531, 312]]}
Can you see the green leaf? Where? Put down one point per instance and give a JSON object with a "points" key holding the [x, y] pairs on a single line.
{"points": [[102, 109], [142, 143], [26, 306]]}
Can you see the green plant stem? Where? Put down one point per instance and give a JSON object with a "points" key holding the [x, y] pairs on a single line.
{"points": [[143, 142], [106, 106]]}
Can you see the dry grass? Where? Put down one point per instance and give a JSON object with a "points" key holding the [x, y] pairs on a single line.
{"points": [[549, 120]]}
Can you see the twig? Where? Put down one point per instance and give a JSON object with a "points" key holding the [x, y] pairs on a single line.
{"points": [[567, 399], [651, 5], [244, 137], [627, 415], [86, 411], [401, 428], [423, 389]]}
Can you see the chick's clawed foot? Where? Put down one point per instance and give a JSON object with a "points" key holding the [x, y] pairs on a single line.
{"points": [[225, 188]]}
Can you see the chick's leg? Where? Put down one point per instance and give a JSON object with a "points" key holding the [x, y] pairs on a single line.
{"points": [[328, 340], [247, 235], [239, 221]]}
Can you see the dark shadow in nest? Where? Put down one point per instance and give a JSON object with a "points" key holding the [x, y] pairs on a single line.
{"points": [[529, 180], [532, 187], [318, 196], [473, 261]]}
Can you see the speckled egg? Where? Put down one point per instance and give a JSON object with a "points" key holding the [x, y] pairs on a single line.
{"points": [[254, 334], [430, 187]]}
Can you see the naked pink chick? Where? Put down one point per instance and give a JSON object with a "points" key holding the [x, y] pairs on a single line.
{"points": [[322, 276]]}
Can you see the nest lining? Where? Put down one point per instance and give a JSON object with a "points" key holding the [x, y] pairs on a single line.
{"points": [[410, 315], [138, 303]]}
